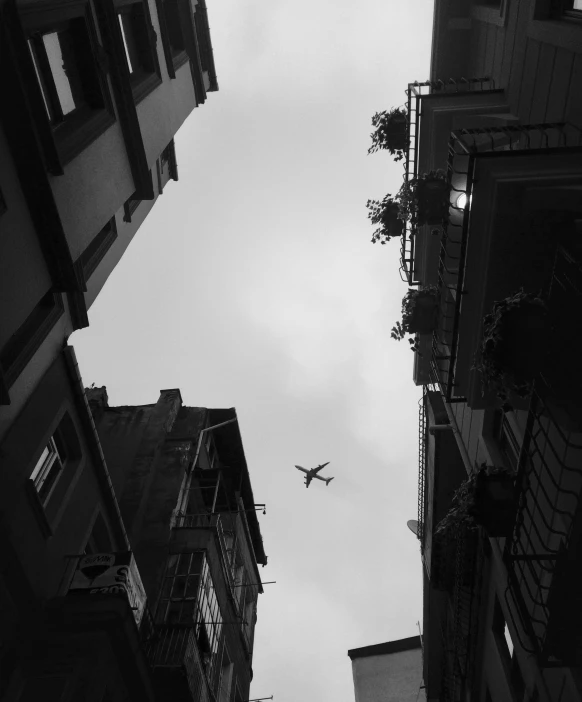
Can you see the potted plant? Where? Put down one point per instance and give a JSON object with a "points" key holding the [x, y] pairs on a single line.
{"points": [[425, 199], [420, 309], [486, 498], [385, 214], [514, 344], [391, 132]]}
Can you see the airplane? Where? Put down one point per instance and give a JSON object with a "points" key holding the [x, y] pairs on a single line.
{"points": [[310, 474]]}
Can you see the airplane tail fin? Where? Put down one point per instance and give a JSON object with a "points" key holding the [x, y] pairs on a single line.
{"points": [[328, 481]]}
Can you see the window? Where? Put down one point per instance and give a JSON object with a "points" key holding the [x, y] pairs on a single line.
{"points": [[211, 452], [49, 467], [62, 46], [94, 253], [53, 472], [24, 343], [189, 597], [175, 35], [138, 38]]}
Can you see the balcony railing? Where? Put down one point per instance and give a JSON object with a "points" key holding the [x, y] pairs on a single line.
{"points": [[175, 647], [544, 573], [465, 146], [421, 464], [415, 92], [460, 630]]}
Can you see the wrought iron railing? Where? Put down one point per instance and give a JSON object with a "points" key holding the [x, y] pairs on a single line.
{"points": [[549, 483], [465, 147], [460, 629], [414, 93], [176, 647], [421, 464]]}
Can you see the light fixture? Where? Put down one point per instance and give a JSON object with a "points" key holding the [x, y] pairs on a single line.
{"points": [[461, 201]]}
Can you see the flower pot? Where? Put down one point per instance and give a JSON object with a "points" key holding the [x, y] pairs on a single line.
{"points": [[394, 227], [433, 201], [424, 316], [495, 504]]}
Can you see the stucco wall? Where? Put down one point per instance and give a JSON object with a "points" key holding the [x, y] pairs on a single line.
{"points": [[24, 277], [392, 677]]}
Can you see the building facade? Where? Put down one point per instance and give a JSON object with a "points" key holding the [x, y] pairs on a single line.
{"points": [[130, 552], [388, 672], [501, 117], [93, 95]]}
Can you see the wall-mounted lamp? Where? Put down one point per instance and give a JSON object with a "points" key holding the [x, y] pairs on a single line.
{"points": [[461, 201]]}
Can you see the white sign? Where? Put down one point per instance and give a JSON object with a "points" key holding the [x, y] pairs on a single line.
{"points": [[110, 574]]}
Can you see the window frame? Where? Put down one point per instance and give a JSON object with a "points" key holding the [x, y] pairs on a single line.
{"points": [[77, 130], [148, 78]]}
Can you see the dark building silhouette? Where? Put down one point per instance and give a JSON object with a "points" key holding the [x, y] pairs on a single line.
{"points": [[92, 96], [130, 552], [501, 116]]}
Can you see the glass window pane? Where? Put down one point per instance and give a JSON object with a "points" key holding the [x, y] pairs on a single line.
{"points": [[40, 463], [52, 44]]}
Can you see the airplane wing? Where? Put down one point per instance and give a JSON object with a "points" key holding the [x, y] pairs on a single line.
{"points": [[320, 477], [316, 470], [308, 479], [303, 469]]}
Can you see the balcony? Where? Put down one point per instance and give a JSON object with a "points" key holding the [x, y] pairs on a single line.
{"points": [[179, 672], [453, 96], [542, 555], [499, 171]]}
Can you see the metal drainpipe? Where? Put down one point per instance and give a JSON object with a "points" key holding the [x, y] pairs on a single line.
{"points": [[100, 464]]}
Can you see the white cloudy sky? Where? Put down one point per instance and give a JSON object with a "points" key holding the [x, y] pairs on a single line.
{"points": [[253, 283]]}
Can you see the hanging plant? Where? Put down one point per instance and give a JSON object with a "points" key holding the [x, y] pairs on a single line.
{"points": [[391, 132], [486, 498], [386, 214], [419, 314], [516, 336], [425, 199]]}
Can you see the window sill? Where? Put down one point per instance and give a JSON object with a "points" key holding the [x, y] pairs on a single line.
{"points": [[143, 85], [72, 139]]}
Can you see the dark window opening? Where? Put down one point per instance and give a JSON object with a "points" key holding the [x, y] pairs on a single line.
{"points": [[94, 253], [138, 40], [66, 70], [506, 650], [62, 47], [24, 343], [174, 25]]}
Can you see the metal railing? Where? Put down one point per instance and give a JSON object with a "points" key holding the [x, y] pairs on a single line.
{"points": [[549, 483], [465, 147], [414, 93], [176, 647], [421, 464], [460, 632]]}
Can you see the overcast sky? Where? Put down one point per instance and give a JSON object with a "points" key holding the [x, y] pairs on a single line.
{"points": [[253, 283]]}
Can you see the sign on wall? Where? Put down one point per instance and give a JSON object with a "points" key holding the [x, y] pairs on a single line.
{"points": [[110, 574]]}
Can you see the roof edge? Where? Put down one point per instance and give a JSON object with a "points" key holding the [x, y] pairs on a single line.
{"points": [[408, 644]]}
